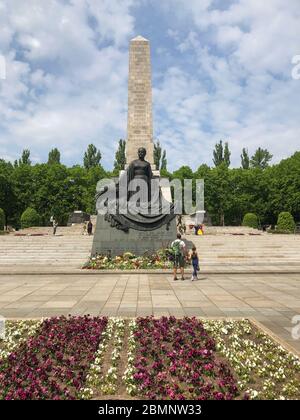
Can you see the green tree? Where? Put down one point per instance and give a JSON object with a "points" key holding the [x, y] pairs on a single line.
{"points": [[23, 187], [221, 154], [185, 172], [93, 176], [218, 193], [2, 219], [159, 157], [92, 157], [120, 157], [25, 159], [227, 154], [202, 171], [8, 201], [261, 158], [284, 186], [164, 162], [218, 154], [245, 160], [54, 157], [157, 154]]}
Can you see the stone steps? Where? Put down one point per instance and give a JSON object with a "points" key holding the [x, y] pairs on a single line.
{"points": [[67, 249], [72, 250]]}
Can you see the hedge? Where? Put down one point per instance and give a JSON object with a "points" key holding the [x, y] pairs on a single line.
{"points": [[286, 222], [250, 220], [30, 218]]}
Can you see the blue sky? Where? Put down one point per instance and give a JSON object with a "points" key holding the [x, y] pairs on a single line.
{"points": [[221, 70]]}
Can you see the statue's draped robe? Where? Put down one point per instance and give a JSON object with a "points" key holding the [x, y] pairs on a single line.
{"points": [[140, 220]]}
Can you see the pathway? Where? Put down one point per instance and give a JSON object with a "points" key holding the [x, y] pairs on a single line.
{"points": [[271, 299]]}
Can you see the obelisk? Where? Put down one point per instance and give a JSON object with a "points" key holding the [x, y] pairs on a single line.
{"points": [[140, 123]]}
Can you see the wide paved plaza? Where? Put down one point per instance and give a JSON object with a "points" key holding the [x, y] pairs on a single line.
{"points": [[271, 299]]}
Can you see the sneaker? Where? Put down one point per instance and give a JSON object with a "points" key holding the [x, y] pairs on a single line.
{"points": [[175, 278], [182, 278]]}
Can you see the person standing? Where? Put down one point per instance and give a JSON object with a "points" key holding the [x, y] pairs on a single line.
{"points": [[178, 247], [54, 224], [90, 228], [195, 263]]}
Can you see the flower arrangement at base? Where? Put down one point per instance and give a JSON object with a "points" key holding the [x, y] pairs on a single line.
{"points": [[128, 261]]}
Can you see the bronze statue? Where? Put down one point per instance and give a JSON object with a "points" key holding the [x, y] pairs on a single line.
{"points": [[140, 169]]}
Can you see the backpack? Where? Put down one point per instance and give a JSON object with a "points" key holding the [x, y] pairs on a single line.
{"points": [[176, 248]]}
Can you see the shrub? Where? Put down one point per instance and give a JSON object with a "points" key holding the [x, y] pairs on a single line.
{"points": [[30, 218], [2, 219], [250, 220], [285, 222]]}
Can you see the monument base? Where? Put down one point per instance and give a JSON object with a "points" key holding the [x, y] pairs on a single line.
{"points": [[109, 240]]}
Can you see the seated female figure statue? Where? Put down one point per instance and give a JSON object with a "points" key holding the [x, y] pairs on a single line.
{"points": [[138, 177]]}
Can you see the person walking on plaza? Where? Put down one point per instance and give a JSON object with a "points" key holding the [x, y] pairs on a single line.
{"points": [[195, 263], [178, 247], [90, 228]]}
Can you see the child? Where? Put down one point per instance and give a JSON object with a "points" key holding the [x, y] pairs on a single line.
{"points": [[195, 263]]}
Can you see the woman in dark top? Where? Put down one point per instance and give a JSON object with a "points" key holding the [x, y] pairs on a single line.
{"points": [[195, 263]]}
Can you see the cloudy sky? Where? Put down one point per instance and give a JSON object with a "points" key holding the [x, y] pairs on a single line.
{"points": [[221, 70]]}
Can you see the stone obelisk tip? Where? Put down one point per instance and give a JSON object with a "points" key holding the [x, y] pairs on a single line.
{"points": [[139, 38]]}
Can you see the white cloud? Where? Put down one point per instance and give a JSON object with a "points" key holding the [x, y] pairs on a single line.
{"points": [[242, 68], [230, 77], [63, 87]]}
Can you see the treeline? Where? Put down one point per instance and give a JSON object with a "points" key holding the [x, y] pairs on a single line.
{"points": [[53, 189]]}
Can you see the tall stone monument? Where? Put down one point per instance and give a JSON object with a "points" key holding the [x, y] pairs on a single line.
{"points": [[140, 123], [119, 232]]}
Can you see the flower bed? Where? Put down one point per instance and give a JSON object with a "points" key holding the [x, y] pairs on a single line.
{"points": [[166, 358], [129, 261], [53, 363], [175, 359], [265, 369], [16, 333]]}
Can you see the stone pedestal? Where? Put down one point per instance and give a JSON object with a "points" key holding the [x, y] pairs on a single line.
{"points": [[108, 240]]}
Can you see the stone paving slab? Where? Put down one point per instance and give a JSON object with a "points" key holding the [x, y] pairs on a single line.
{"points": [[213, 268], [272, 299]]}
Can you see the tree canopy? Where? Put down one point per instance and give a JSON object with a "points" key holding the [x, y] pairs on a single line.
{"points": [[55, 189], [261, 158]]}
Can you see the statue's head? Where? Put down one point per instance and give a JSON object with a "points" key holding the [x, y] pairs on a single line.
{"points": [[142, 153]]}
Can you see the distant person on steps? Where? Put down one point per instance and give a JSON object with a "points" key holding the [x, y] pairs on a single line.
{"points": [[90, 228]]}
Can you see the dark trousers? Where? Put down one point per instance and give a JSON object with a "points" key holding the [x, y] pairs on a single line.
{"points": [[195, 267]]}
